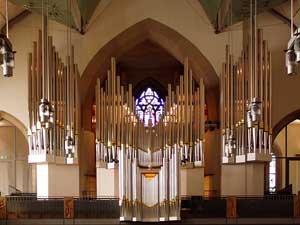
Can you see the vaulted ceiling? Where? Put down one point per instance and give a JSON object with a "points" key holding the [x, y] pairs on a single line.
{"points": [[73, 13], [222, 15], [80, 14]]}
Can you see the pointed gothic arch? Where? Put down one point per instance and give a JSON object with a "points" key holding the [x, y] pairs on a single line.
{"points": [[14, 121], [170, 40]]}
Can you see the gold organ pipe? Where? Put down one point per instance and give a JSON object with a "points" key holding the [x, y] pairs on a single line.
{"points": [[186, 101], [182, 118], [169, 108], [77, 101], [50, 68], [202, 108], [109, 114], [98, 95], [270, 92], [39, 66], [30, 89], [190, 108], [113, 96], [227, 78], [118, 112], [261, 75], [34, 85], [178, 115], [231, 92], [266, 87], [223, 98]]}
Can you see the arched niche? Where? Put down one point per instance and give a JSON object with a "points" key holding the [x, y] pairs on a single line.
{"points": [[149, 82], [173, 42], [178, 47], [15, 172], [13, 120], [286, 147], [285, 121]]}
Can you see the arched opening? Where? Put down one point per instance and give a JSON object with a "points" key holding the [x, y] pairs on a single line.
{"points": [[16, 174], [149, 82], [152, 33], [151, 53], [286, 146]]}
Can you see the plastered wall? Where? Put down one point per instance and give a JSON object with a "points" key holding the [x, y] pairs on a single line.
{"points": [[14, 168], [185, 17]]}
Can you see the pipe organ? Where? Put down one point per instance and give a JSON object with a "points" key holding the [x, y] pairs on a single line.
{"points": [[149, 156], [53, 103], [246, 92]]}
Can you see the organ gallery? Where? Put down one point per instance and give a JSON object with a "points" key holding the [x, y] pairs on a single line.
{"points": [[174, 111]]}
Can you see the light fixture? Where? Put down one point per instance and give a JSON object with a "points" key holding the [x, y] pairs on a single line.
{"points": [[290, 62], [292, 54], [6, 50], [297, 47], [70, 137], [53, 99], [246, 97]]}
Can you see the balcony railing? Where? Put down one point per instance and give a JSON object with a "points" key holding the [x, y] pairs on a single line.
{"points": [[31, 207]]}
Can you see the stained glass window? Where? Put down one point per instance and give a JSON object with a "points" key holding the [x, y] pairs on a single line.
{"points": [[149, 107]]}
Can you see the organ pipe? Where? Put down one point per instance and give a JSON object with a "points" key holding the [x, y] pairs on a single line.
{"points": [[176, 139], [246, 101], [53, 101]]}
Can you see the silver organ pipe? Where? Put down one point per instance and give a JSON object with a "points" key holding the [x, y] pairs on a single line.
{"points": [[53, 102], [176, 140], [246, 103]]}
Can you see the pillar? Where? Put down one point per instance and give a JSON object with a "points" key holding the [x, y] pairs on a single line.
{"points": [[245, 179], [191, 181], [55, 178], [107, 175]]}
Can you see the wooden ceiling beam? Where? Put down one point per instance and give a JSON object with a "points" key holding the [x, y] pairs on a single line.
{"points": [[15, 20], [281, 17]]}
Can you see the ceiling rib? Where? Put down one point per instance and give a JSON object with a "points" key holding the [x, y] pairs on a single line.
{"points": [[76, 15], [281, 17], [13, 21]]}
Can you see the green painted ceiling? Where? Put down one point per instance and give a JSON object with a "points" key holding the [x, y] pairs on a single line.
{"points": [[240, 10], [87, 10], [59, 10]]}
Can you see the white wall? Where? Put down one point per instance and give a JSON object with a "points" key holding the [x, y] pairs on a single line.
{"points": [[191, 181], [14, 168], [181, 16], [245, 179], [54, 180]]}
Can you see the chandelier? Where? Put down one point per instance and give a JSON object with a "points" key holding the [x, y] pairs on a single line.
{"points": [[6, 50]]}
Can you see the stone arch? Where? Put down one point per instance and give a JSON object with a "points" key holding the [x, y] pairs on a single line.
{"points": [[13, 120], [142, 85], [285, 121], [170, 40]]}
